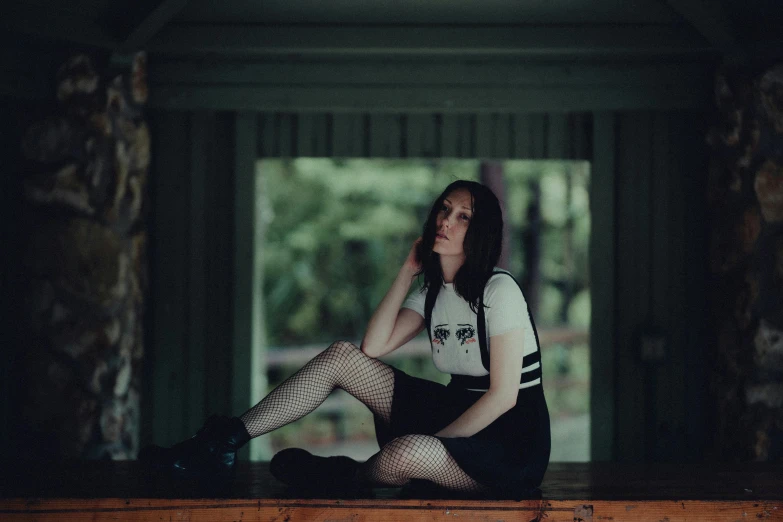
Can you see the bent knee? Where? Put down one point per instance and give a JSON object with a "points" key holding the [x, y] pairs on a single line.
{"points": [[344, 347], [413, 448]]}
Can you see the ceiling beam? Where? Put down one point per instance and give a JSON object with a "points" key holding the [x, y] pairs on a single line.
{"points": [[429, 72], [151, 24], [522, 41], [711, 21], [428, 99]]}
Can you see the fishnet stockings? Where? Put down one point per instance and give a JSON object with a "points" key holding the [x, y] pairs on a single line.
{"points": [[342, 365], [417, 457]]}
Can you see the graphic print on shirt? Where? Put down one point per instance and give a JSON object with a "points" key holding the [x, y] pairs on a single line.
{"points": [[441, 334], [466, 334]]}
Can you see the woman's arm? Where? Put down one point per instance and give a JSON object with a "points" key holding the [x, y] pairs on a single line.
{"points": [[391, 326], [505, 365]]}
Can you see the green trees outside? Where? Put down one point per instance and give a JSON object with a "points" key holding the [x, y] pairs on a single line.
{"points": [[338, 231]]}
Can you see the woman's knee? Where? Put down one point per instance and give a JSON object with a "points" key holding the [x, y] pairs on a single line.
{"points": [[410, 450], [344, 348]]}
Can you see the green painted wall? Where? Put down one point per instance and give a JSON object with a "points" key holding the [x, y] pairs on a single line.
{"points": [[660, 284], [190, 321]]}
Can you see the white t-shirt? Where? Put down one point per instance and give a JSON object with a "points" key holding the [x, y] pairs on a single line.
{"points": [[455, 347]]}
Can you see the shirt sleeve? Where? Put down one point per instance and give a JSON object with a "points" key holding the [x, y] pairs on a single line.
{"points": [[415, 301], [507, 306]]}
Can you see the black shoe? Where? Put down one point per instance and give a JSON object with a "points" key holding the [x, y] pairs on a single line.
{"points": [[302, 470], [212, 451]]}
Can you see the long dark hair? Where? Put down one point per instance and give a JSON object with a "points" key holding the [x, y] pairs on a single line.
{"points": [[483, 243]]}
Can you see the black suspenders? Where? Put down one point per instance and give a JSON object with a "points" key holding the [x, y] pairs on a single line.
{"points": [[467, 381]]}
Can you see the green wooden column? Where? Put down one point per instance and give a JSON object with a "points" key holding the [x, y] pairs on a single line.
{"points": [[602, 279], [248, 383]]}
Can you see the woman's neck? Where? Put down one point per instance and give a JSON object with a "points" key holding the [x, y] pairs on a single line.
{"points": [[450, 265]]}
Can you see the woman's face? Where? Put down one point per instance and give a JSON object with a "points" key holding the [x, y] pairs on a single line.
{"points": [[452, 223]]}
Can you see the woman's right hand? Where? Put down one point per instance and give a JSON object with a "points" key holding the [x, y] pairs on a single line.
{"points": [[412, 262]]}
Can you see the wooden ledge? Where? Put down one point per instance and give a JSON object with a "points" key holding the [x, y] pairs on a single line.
{"points": [[585, 492]]}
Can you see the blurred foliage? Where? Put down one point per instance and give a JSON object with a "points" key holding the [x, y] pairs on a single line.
{"points": [[338, 230], [336, 236]]}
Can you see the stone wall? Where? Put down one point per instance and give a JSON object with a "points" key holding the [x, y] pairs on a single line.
{"points": [[83, 266], [745, 193]]}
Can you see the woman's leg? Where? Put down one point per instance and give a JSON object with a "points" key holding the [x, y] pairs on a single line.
{"points": [[417, 457], [342, 365], [213, 449]]}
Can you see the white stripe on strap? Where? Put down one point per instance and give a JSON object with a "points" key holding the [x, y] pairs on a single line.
{"points": [[521, 386], [532, 367]]}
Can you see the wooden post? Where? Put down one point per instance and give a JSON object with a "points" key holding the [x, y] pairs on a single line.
{"points": [[249, 366], [531, 248], [491, 175], [602, 294]]}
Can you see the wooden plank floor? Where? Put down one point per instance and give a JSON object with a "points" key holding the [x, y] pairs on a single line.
{"points": [[587, 492]]}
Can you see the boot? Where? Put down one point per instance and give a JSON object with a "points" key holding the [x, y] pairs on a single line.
{"points": [[300, 469], [211, 451]]}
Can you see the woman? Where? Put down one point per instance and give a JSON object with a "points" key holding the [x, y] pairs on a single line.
{"points": [[485, 433]]}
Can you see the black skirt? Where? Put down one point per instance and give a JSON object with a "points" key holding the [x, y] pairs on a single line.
{"points": [[509, 456]]}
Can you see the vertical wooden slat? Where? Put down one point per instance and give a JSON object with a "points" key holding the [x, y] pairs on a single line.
{"points": [[266, 135], [680, 315], [624, 331], [677, 151], [385, 135], [579, 143], [538, 135], [347, 135], [244, 333], [503, 144], [220, 264], [448, 136], [421, 136], [437, 137], [466, 136], [248, 371], [304, 136], [497, 136], [691, 156], [602, 289], [287, 135], [169, 285], [645, 270], [379, 133], [485, 138], [366, 126], [493, 136], [414, 136], [666, 298], [521, 140], [199, 159], [320, 138], [633, 279], [260, 447], [556, 136]]}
